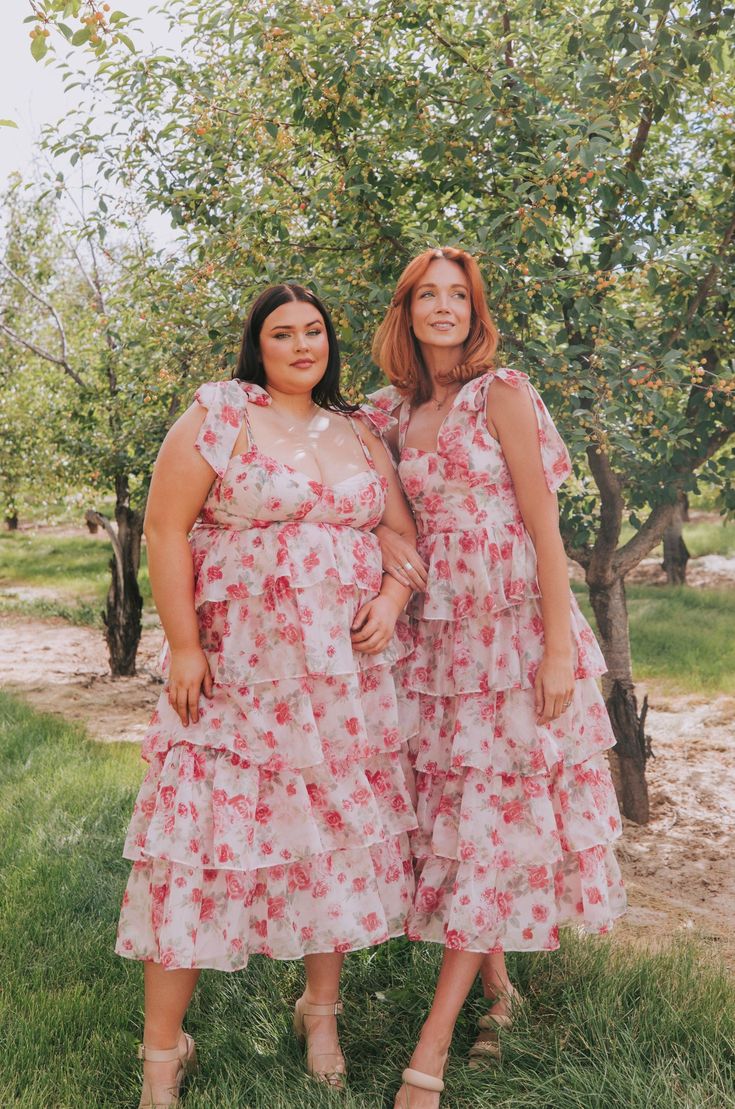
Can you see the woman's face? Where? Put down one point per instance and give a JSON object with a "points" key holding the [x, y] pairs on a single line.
{"points": [[441, 308], [294, 347]]}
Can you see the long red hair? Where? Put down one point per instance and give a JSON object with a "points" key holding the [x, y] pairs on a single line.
{"points": [[395, 348]]}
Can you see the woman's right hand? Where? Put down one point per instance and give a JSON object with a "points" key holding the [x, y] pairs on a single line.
{"points": [[401, 559], [189, 675]]}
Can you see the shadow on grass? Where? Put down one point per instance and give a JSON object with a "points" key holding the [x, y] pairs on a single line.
{"points": [[602, 1028]]}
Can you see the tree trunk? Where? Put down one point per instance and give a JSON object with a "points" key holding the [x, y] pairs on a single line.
{"points": [[632, 749], [122, 615], [11, 521], [676, 554]]}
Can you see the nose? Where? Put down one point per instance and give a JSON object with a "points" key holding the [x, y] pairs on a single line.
{"points": [[301, 342]]}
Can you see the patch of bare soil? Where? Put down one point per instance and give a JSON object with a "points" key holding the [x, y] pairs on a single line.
{"points": [[59, 668], [714, 571], [679, 868]]}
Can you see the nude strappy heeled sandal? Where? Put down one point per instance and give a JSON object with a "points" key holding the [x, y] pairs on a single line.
{"points": [[486, 1048], [157, 1095], [421, 1081], [335, 1075]]}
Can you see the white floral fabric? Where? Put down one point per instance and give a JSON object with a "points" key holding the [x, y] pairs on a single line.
{"points": [[515, 819], [278, 824]]}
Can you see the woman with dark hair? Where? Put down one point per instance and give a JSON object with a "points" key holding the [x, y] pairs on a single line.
{"points": [[274, 814], [516, 808]]}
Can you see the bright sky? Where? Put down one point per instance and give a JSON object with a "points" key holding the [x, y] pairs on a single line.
{"points": [[32, 93]]}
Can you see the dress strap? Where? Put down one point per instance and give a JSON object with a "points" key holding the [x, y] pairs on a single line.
{"points": [[226, 403], [363, 418], [404, 416], [554, 454]]}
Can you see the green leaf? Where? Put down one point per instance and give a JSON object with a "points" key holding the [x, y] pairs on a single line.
{"points": [[126, 41], [80, 37], [39, 47], [8, 123]]}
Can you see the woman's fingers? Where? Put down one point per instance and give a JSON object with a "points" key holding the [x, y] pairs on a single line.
{"points": [[399, 574], [193, 704], [208, 684], [182, 705]]}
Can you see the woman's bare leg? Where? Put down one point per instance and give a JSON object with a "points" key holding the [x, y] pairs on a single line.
{"points": [[496, 983], [322, 988], [458, 971], [167, 996]]}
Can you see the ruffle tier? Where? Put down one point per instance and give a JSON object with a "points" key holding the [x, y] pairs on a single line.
{"points": [[214, 918], [491, 909], [475, 572], [236, 563]]}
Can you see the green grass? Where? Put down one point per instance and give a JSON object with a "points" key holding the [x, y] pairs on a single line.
{"points": [[605, 1027], [75, 569], [680, 637]]}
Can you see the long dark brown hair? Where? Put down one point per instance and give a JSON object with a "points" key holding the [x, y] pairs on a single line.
{"points": [[326, 393]]}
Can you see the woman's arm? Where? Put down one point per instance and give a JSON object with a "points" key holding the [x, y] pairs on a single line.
{"points": [[179, 486], [374, 623], [512, 420]]}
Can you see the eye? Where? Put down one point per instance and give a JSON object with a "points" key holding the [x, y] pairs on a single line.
{"points": [[427, 293], [461, 295], [281, 335], [315, 331]]}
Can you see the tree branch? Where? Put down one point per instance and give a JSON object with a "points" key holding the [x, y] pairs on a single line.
{"points": [[645, 539], [93, 517], [705, 285], [43, 302], [46, 355]]}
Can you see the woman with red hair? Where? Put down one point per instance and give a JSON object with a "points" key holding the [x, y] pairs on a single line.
{"points": [[516, 808]]}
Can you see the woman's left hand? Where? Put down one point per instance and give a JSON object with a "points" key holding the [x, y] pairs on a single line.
{"points": [[553, 687], [374, 625]]}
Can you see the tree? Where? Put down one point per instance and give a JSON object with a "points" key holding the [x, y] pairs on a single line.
{"points": [[83, 320], [585, 155]]}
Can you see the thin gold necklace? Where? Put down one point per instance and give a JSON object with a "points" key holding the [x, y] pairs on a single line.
{"points": [[439, 404]]}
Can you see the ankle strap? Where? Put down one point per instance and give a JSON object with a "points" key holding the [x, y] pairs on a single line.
{"points": [[158, 1055], [308, 1009], [422, 1081]]}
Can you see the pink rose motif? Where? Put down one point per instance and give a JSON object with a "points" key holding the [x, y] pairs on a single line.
{"points": [[262, 813], [513, 812], [371, 922], [167, 795], [206, 909], [456, 940], [299, 876], [504, 905], [235, 886], [276, 908], [462, 605], [539, 912], [333, 819], [538, 877], [528, 933], [283, 713]]}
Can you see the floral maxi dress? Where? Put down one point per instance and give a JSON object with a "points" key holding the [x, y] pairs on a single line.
{"points": [[277, 824], [515, 819]]}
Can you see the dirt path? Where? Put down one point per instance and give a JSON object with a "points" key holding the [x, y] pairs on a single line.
{"points": [[679, 868]]}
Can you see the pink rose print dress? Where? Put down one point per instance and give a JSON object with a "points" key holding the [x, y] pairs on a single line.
{"points": [[515, 819], [278, 824]]}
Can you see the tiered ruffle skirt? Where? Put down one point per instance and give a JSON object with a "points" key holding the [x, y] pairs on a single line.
{"points": [[516, 819], [278, 824]]}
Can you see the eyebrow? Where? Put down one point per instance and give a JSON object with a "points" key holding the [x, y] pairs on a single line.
{"points": [[290, 327], [433, 285]]}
